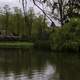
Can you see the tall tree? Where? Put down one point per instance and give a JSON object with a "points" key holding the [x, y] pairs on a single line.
{"points": [[51, 5], [61, 10], [24, 6], [6, 12], [18, 15], [30, 17]]}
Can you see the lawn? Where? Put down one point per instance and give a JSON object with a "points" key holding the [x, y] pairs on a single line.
{"points": [[16, 44]]}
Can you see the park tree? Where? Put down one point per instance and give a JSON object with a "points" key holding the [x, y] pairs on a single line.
{"points": [[30, 19], [56, 10], [24, 6], [2, 18], [52, 9], [73, 8], [18, 18], [60, 10], [6, 14]]}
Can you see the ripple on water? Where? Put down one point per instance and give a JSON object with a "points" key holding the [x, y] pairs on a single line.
{"points": [[46, 74]]}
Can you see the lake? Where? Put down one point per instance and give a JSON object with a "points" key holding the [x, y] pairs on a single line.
{"points": [[26, 64]]}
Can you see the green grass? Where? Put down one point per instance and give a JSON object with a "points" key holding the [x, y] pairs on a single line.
{"points": [[16, 44]]}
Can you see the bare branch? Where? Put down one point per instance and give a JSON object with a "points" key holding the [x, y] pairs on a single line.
{"points": [[44, 12]]}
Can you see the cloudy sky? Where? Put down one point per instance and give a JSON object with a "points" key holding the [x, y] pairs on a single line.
{"points": [[10, 2], [16, 3]]}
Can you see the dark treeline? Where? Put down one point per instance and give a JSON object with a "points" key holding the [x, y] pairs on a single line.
{"points": [[28, 26], [12, 23], [66, 37]]}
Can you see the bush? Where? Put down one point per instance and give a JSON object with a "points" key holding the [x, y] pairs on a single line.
{"points": [[66, 37]]}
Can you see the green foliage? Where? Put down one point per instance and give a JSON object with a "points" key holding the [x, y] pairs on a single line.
{"points": [[16, 44], [16, 23], [67, 37], [35, 28], [38, 27]]}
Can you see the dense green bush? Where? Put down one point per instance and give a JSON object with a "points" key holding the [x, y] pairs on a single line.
{"points": [[66, 37]]}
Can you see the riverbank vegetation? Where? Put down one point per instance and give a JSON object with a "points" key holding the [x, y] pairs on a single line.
{"points": [[16, 44], [28, 27], [67, 37]]}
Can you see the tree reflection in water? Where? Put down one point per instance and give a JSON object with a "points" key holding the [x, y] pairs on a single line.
{"points": [[25, 64]]}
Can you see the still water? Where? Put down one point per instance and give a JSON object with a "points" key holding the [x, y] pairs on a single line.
{"points": [[25, 64]]}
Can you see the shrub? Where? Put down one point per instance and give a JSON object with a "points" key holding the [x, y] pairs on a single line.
{"points": [[66, 37]]}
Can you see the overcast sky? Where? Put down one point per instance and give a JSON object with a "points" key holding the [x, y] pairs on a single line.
{"points": [[16, 3], [10, 2]]}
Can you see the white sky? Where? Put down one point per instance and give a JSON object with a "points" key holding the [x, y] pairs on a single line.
{"points": [[16, 3], [10, 2]]}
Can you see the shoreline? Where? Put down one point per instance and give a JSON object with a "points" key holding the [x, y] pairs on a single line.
{"points": [[16, 44]]}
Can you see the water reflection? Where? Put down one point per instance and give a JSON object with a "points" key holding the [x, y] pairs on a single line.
{"points": [[25, 64], [22, 64], [67, 64]]}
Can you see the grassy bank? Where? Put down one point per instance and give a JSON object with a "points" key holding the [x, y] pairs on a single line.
{"points": [[16, 44]]}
